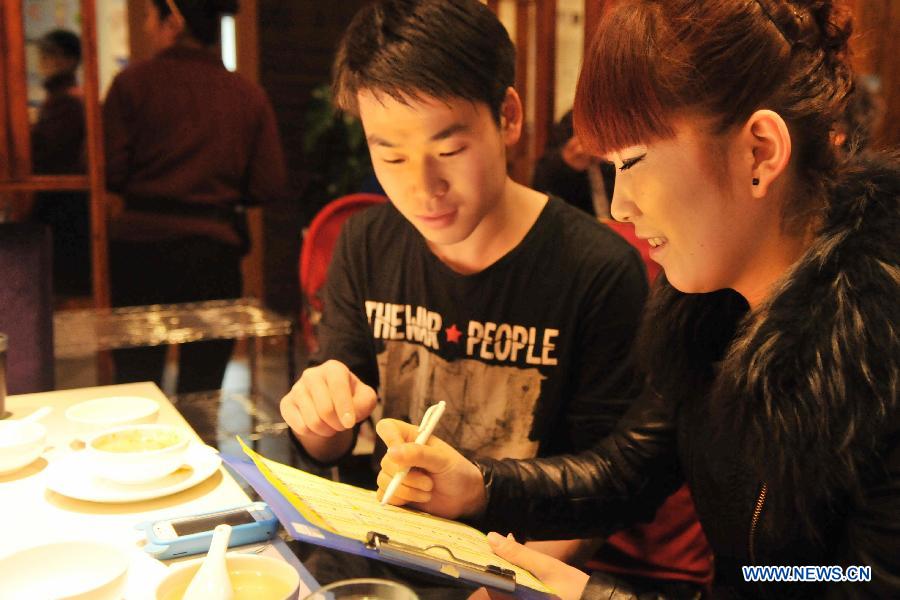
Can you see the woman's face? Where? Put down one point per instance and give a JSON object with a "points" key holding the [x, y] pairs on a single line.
{"points": [[680, 196]]}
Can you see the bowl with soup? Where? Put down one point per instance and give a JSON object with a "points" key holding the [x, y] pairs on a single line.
{"points": [[252, 577], [137, 453]]}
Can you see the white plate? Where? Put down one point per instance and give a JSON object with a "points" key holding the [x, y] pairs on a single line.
{"points": [[77, 569], [71, 476]]}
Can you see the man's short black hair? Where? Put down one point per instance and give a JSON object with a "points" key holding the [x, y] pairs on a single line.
{"points": [[412, 48], [61, 42]]}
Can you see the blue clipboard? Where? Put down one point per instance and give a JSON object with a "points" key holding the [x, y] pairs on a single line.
{"points": [[437, 560]]}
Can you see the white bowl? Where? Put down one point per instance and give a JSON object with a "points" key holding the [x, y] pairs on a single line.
{"points": [[137, 453], [95, 415], [253, 577], [78, 570], [20, 444]]}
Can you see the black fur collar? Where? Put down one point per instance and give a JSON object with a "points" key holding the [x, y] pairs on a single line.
{"points": [[809, 380]]}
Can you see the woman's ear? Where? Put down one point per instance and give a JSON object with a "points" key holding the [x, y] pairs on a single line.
{"points": [[769, 143], [511, 117]]}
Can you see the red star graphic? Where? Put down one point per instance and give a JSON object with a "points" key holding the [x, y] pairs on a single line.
{"points": [[453, 334]]}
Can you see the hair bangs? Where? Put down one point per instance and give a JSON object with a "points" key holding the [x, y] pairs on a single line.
{"points": [[622, 97]]}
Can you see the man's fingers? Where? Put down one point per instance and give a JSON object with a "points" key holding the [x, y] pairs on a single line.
{"points": [[337, 378], [322, 401], [291, 415], [363, 398], [394, 432], [311, 417]]}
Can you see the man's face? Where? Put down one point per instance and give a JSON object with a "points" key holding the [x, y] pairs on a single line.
{"points": [[442, 163], [52, 63]]}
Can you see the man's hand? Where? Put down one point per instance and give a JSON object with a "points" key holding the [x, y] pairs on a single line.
{"points": [[441, 480], [567, 582], [323, 407]]}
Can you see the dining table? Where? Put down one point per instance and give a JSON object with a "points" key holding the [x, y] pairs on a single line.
{"points": [[47, 501]]}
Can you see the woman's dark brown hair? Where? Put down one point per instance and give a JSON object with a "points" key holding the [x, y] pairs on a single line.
{"points": [[651, 60]]}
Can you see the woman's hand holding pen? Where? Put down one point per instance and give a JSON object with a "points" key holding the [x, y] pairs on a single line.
{"points": [[442, 481]]}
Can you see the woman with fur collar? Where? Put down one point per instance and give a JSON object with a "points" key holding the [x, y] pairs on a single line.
{"points": [[771, 344]]}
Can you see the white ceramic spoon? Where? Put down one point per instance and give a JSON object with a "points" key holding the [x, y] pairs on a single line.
{"points": [[211, 581], [36, 415], [32, 418]]}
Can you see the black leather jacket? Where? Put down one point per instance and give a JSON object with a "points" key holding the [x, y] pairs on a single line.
{"points": [[789, 437]]}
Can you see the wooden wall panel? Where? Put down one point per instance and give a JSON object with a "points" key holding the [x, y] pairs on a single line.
{"points": [[297, 42], [5, 142], [876, 46], [16, 179], [139, 46], [545, 73], [592, 11], [247, 33], [890, 77], [96, 157], [16, 90]]}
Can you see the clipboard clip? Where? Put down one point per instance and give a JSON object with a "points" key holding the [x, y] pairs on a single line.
{"points": [[492, 575]]}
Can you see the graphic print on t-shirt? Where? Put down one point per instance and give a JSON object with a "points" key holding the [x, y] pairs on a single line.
{"points": [[503, 342], [490, 408]]}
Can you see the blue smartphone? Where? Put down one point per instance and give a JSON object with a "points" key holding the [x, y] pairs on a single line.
{"points": [[192, 534]]}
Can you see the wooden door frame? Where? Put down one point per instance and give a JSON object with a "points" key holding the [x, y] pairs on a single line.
{"points": [[543, 35], [16, 178]]}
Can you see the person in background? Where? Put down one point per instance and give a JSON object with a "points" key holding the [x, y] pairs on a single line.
{"points": [[567, 171], [517, 309], [771, 342], [57, 148], [189, 146]]}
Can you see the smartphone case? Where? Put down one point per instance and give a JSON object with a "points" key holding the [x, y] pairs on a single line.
{"points": [[197, 543]]}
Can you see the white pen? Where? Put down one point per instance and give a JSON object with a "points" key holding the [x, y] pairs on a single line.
{"points": [[426, 428]]}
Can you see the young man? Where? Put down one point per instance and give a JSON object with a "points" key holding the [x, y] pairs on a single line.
{"points": [[517, 309]]}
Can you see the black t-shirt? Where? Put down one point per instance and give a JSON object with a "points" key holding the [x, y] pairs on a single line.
{"points": [[532, 354]]}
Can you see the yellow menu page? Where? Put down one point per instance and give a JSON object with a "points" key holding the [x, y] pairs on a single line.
{"points": [[353, 512]]}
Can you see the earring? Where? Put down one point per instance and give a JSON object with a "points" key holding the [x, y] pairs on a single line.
{"points": [[756, 181]]}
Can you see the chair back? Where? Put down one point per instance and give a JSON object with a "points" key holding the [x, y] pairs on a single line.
{"points": [[315, 255], [26, 306]]}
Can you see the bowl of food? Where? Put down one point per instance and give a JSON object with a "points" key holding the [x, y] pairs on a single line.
{"points": [[77, 570], [98, 414], [137, 453], [252, 577], [20, 444]]}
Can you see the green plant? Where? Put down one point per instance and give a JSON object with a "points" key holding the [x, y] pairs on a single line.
{"points": [[334, 145]]}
